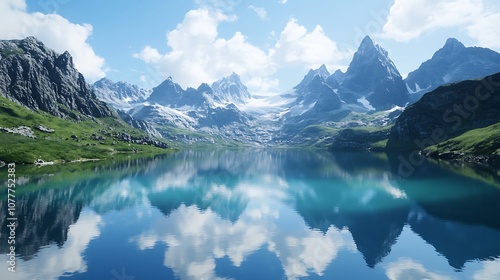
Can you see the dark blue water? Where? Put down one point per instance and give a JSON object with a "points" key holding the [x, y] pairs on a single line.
{"points": [[255, 214]]}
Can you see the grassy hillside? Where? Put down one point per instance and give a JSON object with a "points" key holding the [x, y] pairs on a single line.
{"points": [[196, 139], [71, 139], [482, 141]]}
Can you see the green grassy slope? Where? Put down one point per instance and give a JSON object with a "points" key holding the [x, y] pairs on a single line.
{"points": [[480, 141], [71, 140]]}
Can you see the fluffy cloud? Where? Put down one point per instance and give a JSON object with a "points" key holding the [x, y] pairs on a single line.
{"points": [[409, 269], [283, 1], [485, 30], [411, 18], [198, 54], [297, 46], [55, 31], [490, 270], [261, 12]]}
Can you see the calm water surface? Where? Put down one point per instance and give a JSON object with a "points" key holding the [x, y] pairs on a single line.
{"points": [[255, 214]]}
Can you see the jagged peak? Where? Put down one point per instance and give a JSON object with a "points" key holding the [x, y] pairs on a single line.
{"points": [[451, 48], [453, 43], [234, 76], [367, 42], [104, 81], [231, 79], [31, 39], [169, 81], [204, 87], [322, 71], [368, 46]]}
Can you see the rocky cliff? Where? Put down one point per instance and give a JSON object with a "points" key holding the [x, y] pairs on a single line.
{"points": [[447, 112], [41, 79]]}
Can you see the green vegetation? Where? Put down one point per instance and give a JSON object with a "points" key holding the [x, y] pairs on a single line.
{"points": [[315, 135], [11, 51], [196, 139], [475, 142], [320, 136], [71, 139], [379, 146]]}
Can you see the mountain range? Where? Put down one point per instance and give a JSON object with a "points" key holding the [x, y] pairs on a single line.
{"points": [[346, 110], [49, 112], [452, 63], [372, 92]]}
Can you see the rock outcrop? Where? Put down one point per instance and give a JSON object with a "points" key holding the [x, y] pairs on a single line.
{"points": [[41, 79]]}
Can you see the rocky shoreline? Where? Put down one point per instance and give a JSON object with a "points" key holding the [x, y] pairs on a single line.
{"points": [[463, 157]]}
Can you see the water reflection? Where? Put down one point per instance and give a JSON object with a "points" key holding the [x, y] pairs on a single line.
{"points": [[238, 213]]}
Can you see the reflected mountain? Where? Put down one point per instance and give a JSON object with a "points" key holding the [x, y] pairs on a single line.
{"points": [[459, 243], [45, 214], [232, 206], [367, 204]]}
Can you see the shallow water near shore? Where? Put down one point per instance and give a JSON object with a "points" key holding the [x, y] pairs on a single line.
{"points": [[255, 214]]}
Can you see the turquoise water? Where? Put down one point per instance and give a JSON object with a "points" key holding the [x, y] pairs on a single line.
{"points": [[255, 214]]}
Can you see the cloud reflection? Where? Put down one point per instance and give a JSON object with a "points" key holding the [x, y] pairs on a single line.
{"points": [[53, 261], [406, 269], [197, 238]]}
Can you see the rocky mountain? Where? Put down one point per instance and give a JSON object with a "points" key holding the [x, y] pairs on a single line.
{"points": [[314, 100], [171, 94], [370, 93], [230, 90], [207, 109], [372, 79], [120, 95], [447, 112], [452, 63], [41, 79], [48, 112]]}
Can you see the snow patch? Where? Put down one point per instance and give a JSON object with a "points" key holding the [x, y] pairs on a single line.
{"points": [[365, 103]]}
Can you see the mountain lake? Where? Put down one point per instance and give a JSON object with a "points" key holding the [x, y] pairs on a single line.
{"points": [[254, 214]]}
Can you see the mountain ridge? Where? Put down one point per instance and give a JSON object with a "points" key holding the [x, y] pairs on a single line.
{"points": [[49, 112], [39, 78]]}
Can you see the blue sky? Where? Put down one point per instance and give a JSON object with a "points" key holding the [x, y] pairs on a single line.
{"points": [[271, 44]]}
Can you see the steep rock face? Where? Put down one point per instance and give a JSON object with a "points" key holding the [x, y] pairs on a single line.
{"points": [[120, 95], [206, 109], [230, 90], [140, 124], [41, 79], [315, 99], [373, 76], [452, 63], [171, 94], [349, 139], [447, 112]]}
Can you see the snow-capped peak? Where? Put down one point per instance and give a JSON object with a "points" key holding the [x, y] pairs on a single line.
{"points": [[230, 89]]}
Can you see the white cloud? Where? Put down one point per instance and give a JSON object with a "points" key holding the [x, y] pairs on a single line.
{"points": [[199, 55], [283, 1], [261, 12], [410, 19], [485, 30], [297, 46], [409, 269], [490, 270], [56, 32]]}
